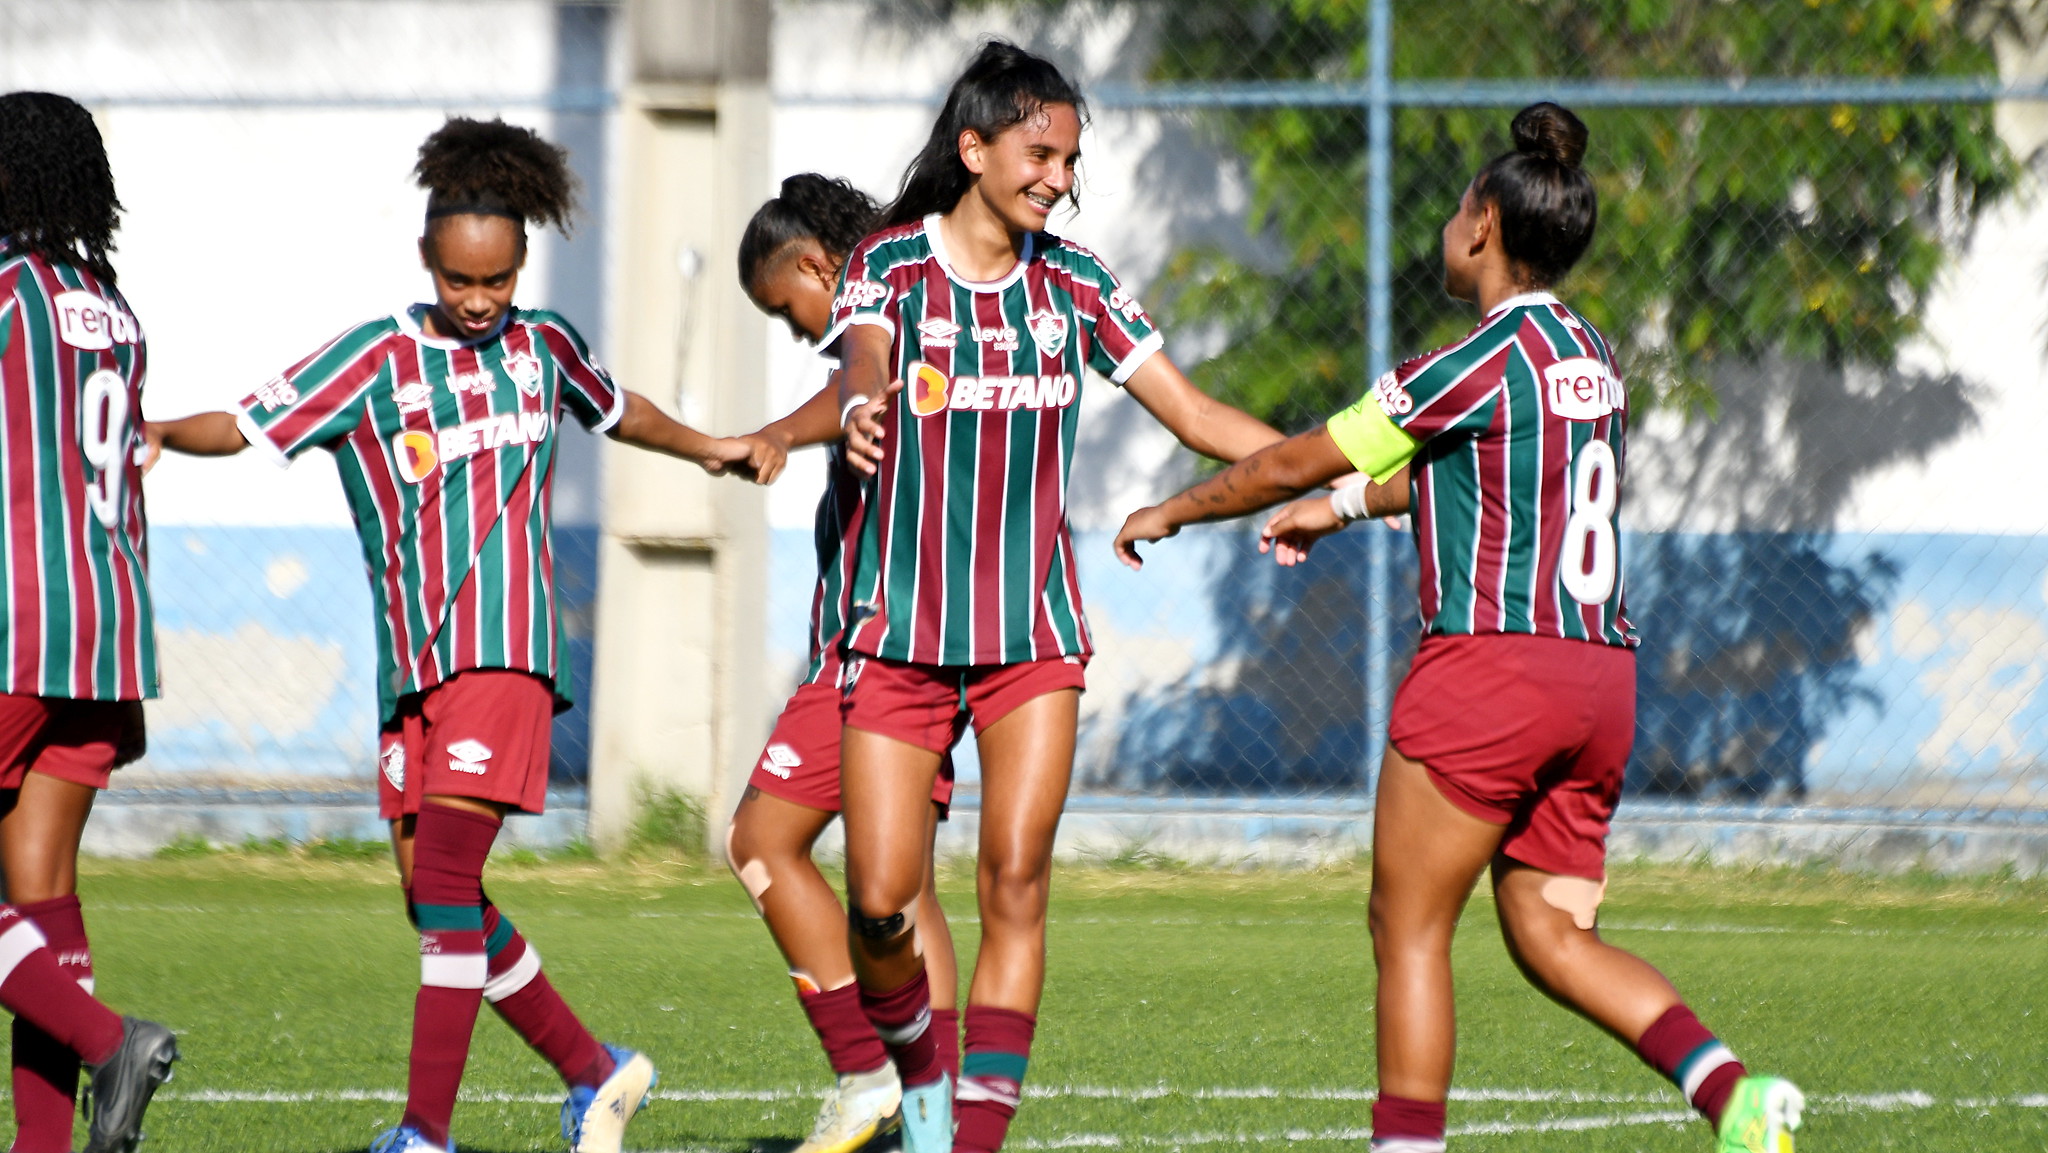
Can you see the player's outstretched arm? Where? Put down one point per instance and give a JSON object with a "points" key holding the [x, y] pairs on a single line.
{"points": [[815, 421], [1275, 473], [648, 427], [1294, 529], [1200, 421], [202, 434], [864, 392]]}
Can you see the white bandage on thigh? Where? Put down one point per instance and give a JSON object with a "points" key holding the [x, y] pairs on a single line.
{"points": [[455, 970], [518, 977], [1578, 896], [16, 944]]}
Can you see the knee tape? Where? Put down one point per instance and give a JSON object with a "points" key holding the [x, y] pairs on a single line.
{"points": [[883, 928], [754, 876], [1578, 896]]}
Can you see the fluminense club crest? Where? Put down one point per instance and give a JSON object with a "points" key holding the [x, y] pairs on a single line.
{"points": [[524, 369], [1048, 332]]}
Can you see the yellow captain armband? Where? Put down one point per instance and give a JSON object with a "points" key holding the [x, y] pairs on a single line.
{"points": [[1374, 445]]}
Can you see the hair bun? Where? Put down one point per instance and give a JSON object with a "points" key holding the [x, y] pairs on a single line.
{"points": [[1550, 132]]}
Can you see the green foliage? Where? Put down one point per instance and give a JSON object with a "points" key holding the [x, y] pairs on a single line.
{"points": [[669, 824], [1726, 234], [185, 847]]}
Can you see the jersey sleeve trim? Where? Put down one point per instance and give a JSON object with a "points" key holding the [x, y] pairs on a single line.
{"points": [[260, 441], [1139, 354], [1371, 441], [614, 414], [828, 346]]}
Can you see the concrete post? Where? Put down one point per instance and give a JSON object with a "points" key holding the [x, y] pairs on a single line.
{"points": [[678, 703]]}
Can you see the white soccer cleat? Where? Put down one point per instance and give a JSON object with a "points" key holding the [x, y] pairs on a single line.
{"points": [[861, 1107], [594, 1120]]}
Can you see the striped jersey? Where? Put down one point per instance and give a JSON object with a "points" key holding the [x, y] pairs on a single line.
{"points": [[832, 534], [76, 557], [446, 449], [1516, 483], [963, 555]]}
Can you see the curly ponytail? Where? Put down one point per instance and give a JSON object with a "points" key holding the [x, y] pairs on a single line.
{"points": [[1548, 208], [56, 191]]}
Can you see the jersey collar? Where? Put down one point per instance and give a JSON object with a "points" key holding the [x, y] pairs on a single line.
{"points": [[938, 246], [408, 319], [1526, 300]]}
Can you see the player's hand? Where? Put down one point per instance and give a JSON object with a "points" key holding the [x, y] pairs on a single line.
{"points": [[768, 455], [864, 431], [152, 448], [728, 454], [1293, 529], [1147, 524]]}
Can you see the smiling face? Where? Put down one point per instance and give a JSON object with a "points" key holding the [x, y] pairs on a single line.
{"points": [[1024, 171], [796, 287], [475, 262]]}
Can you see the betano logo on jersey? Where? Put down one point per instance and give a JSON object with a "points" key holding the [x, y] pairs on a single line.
{"points": [[419, 452], [1581, 388], [87, 322], [931, 393]]}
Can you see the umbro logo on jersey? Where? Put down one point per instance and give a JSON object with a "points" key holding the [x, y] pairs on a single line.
{"points": [[780, 759], [88, 322], [418, 452], [414, 397], [1582, 389], [938, 330], [393, 764], [468, 757], [860, 294], [1048, 332], [524, 369], [931, 393]]}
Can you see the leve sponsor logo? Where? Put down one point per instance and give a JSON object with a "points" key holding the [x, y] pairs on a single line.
{"points": [[88, 322], [931, 393], [419, 452], [1581, 389]]}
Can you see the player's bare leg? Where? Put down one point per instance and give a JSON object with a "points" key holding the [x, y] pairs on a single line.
{"points": [[935, 941], [1611, 987], [769, 846], [1426, 855], [1027, 761], [39, 835]]}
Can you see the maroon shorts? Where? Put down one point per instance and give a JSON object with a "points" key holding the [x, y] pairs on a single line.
{"points": [[1528, 732], [481, 734], [801, 763], [930, 705], [77, 741]]}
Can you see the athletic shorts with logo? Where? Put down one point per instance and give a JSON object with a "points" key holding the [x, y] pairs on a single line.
{"points": [[481, 734], [78, 741], [930, 705], [801, 763], [1524, 731]]}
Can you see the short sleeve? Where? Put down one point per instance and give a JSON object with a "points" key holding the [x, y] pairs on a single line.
{"points": [[1452, 389], [1124, 336], [1370, 440], [588, 391], [864, 296], [316, 402]]}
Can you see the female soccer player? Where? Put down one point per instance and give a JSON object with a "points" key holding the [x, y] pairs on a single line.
{"points": [[442, 419], [964, 583], [79, 636], [789, 260], [1510, 734]]}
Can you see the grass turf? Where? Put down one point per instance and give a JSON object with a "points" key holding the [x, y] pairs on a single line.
{"points": [[1185, 1009]]}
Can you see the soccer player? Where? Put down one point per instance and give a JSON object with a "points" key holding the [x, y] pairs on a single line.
{"points": [[79, 638], [1510, 734], [442, 419], [964, 584], [789, 260]]}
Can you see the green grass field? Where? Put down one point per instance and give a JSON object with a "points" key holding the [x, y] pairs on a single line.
{"points": [[1186, 1009]]}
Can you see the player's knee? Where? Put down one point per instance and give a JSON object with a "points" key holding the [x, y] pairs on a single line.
{"points": [[1577, 897], [753, 873], [883, 928]]}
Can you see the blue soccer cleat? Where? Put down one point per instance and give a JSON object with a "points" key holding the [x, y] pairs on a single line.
{"points": [[928, 1117], [406, 1139], [594, 1120]]}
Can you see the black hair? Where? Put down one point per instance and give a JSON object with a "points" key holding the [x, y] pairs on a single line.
{"points": [[492, 168], [1002, 87], [56, 192], [811, 207], [1547, 205]]}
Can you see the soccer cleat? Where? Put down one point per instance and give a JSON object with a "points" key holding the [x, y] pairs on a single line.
{"points": [[1760, 1116], [122, 1085], [858, 1109], [594, 1120], [406, 1139], [928, 1117]]}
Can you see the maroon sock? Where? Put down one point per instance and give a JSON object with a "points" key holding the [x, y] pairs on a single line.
{"points": [[903, 1016], [45, 1072], [1679, 1047], [946, 1027], [1405, 1125], [991, 1076], [522, 995], [448, 851], [849, 1039], [34, 986]]}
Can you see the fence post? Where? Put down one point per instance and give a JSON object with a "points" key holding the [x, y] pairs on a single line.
{"points": [[1379, 197]]}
